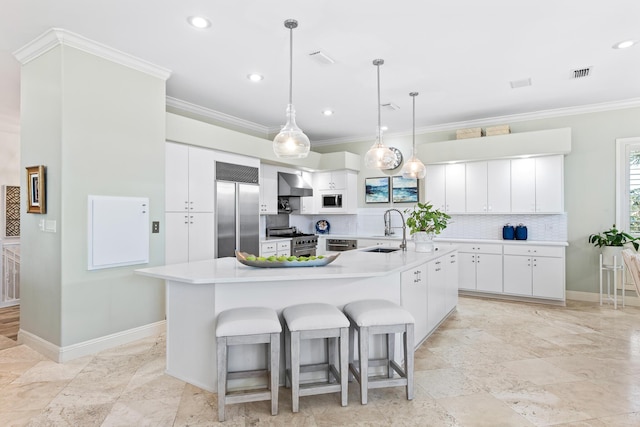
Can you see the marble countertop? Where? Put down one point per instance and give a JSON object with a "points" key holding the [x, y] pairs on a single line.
{"points": [[350, 264]]}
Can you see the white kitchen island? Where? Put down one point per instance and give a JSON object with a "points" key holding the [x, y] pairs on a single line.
{"points": [[424, 283]]}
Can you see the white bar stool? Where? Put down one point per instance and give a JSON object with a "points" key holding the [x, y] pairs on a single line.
{"points": [[248, 325], [311, 321], [373, 317]]}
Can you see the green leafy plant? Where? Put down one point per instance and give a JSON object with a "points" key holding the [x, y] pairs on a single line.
{"points": [[425, 218], [613, 237]]}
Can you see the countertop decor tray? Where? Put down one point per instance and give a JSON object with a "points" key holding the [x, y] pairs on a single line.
{"points": [[318, 262]]}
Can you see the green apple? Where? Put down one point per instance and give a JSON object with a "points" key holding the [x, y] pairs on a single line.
{"points": [[251, 258], [261, 258]]}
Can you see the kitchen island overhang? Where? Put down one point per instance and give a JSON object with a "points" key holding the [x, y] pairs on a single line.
{"points": [[197, 292]]}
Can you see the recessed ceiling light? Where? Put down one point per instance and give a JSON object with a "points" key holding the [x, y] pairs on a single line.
{"points": [[327, 112], [199, 22], [255, 77], [624, 44], [384, 128]]}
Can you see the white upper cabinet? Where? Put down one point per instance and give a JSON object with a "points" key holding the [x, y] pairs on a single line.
{"points": [[488, 186], [523, 185], [455, 187], [498, 186], [537, 184], [335, 180], [550, 184], [268, 190], [445, 187], [435, 186], [343, 183], [189, 178]]}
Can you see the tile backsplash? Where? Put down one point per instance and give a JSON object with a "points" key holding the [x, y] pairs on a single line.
{"points": [[369, 222]]}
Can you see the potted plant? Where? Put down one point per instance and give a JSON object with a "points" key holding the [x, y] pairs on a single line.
{"points": [[612, 241], [424, 223]]}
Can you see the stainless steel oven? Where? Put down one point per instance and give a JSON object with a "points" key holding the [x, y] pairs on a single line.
{"points": [[340, 245]]}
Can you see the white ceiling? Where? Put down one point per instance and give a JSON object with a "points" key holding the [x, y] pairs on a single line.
{"points": [[460, 55]]}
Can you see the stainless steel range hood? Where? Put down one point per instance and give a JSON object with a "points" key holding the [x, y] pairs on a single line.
{"points": [[291, 185]]}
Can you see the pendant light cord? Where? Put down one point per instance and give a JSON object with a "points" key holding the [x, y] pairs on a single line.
{"points": [[378, 63], [291, 65], [413, 95]]}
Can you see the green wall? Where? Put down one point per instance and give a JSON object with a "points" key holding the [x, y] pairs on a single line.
{"points": [[99, 129]]}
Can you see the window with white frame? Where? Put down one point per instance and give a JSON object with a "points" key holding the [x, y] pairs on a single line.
{"points": [[628, 185]]}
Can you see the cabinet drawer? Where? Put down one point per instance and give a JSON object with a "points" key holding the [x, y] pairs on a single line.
{"points": [[282, 246], [553, 251], [485, 248], [268, 247]]}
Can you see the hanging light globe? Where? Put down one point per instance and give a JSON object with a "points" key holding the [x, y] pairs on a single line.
{"points": [[379, 156], [414, 168], [291, 142]]}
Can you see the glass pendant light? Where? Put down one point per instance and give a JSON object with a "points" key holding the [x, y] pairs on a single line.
{"points": [[291, 142], [414, 168], [379, 156]]}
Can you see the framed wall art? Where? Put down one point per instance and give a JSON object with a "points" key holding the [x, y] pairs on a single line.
{"points": [[36, 190], [376, 190], [404, 190]]}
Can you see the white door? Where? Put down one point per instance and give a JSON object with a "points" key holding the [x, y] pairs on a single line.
{"points": [[176, 231], [435, 185], [201, 236], [467, 271], [455, 187], [517, 275], [489, 273], [176, 173], [414, 298], [549, 184], [523, 185], [451, 281], [436, 293], [499, 186], [201, 179], [476, 187], [548, 277]]}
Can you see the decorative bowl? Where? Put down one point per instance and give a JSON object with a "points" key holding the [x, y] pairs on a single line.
{"points": [[318, 262]]}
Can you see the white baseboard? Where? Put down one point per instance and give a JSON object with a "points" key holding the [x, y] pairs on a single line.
{"points": [[633, 301], [74, 351]]}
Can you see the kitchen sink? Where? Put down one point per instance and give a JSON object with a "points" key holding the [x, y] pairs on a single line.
{"points": [[382, 250]]}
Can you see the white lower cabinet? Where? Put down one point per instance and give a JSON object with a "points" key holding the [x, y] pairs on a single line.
{"points": [[413, 290], [452, 272], [436, 293], [276, 248], [536, 271], [190, 236], [480, 267], [429, 292]]}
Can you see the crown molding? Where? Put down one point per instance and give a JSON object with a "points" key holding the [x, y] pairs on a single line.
{"points": [[498, 120], [57, 36], [216, 115]]}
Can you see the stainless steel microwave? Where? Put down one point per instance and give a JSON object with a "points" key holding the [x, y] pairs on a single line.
{"points": [[332, 200]]}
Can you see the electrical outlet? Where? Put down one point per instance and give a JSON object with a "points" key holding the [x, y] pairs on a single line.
{"points": [[155, 227]]}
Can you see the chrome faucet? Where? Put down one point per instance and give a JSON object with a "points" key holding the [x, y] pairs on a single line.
{"points": [[388, 228]]}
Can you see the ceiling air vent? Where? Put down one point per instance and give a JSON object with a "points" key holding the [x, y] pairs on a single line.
{"points": [[581, 72], [322, 57], [390, 106], [515, 84]]}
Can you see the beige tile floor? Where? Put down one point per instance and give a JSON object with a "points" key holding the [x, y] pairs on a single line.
{"points": [[491, 364]]}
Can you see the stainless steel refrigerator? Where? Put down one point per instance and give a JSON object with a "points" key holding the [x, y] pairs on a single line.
{"points": [[237, 209]]}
